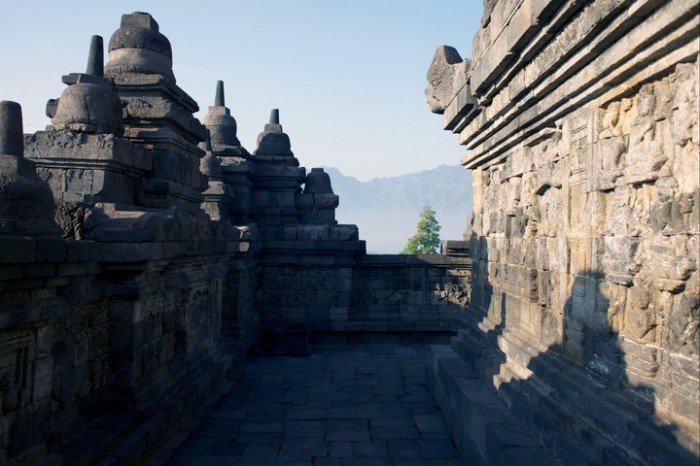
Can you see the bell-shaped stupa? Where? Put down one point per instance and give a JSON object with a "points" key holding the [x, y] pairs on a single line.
{"points": [[89, 104], [221, 125], [139, 47], [273, 140]]}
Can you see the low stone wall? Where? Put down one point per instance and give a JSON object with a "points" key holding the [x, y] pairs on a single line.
{"points": [[376, 293], [404, 293]]}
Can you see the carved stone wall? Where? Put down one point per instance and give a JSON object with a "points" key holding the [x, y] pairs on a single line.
{"points": [[53, 343], [423, 293], [582, 131], [114, 333], [240, 316], [98, 339], [163, 324], [392, 293]]}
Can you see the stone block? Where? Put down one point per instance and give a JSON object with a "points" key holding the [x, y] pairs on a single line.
{"points": [[82, 251], [50, 250], [125, 337], [40, 270], [132, 449], [509, 444], [17, 249], [90, 445], [344, 232]]}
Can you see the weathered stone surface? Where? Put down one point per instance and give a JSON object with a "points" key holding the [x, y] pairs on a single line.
{"points": [[585, 156], [86, 168]]}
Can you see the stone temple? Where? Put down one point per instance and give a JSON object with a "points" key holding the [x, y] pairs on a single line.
{"points": [[146, 256]]}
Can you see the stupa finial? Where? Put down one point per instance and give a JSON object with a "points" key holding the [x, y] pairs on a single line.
{"points": [[219, 121], [273, 140], [96, 57], [207, 141], [11, 138], [219, 100]]}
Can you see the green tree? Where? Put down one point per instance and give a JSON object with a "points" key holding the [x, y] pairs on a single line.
{"points": [[427, 237]]}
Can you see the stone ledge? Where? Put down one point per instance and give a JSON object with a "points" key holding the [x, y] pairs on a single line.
{"points": [[542, 389], [484, 430], [371, 327], [559, 90], [407, 260]]}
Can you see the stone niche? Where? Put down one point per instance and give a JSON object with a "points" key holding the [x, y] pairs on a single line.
{"points": [[582, 131]]}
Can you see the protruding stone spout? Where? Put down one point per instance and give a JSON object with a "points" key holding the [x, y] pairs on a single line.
{"points": [[96, 57], [275, 116], [219, 100], [11, 137], [447, 75]]}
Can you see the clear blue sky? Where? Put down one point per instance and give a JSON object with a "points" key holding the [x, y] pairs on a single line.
{"points": [[347, 75]]}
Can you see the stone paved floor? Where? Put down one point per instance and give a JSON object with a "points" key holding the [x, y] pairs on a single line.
{"points": [[341, 406]]}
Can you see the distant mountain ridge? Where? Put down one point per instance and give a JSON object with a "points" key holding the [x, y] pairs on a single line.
{"points": [[386, 209]]}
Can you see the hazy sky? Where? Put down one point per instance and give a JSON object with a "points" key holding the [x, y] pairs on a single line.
{"points": [[347, 75]]}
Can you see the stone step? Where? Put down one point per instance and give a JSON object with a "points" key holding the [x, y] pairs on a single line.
{"points": [[483, 428]]}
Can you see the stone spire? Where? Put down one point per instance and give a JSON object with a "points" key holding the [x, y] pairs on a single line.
{"points": [[221, 125], [26, 204], [96, 57], [219, 99], [11, 138], [90, 103], [273, 140], [138, 47]]}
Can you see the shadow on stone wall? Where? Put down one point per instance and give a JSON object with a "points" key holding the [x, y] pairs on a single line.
{"points": [[578, 393]]}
